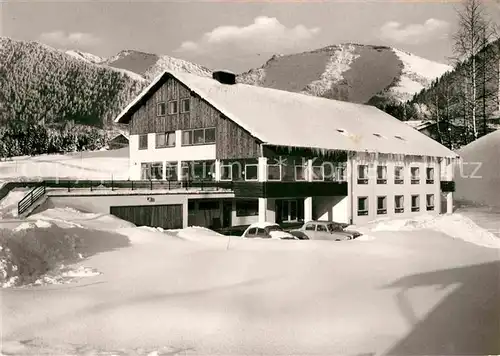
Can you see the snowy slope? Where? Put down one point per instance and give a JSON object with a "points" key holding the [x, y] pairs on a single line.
{"points": [[418, 73], [88, 57], [351, 72], [150, 65]]}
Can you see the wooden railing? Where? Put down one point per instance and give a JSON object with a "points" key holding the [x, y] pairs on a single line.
{"points": [[30, 198]]}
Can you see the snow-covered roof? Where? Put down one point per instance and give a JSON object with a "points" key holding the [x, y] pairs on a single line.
{"points": [[284, 118], [419, 124]]}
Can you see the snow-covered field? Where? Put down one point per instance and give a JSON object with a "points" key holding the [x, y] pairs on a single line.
{"points": [[82, 165], [195, 292]]}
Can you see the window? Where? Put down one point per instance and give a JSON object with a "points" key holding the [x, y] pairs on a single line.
{"points": [[415, 175], [173, 107], [198, 136], [381, 205], [399, 204], [377, 135], [318, 172], [430, 202], [341, 177], [300, 172], [185, 105], [362, 206], [210, 135], [429, 175], [381, 175], [198, 170], [398, 175], [320, 227], [251, 171], [362, 174], [226, 172], [274, 170], [415, 203], [143, 142], [166, 139], [400, 138], [171, 170], [310, 227], [151, 170], [247, 207], [161, 109]]}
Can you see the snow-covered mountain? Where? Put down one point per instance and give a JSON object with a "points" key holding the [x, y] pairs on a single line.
{"points": [[149, 65], [351, 72], [85, 56]]}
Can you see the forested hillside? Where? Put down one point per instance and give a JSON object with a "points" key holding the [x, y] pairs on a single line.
{"points": [[454, 99], [41, 84]]}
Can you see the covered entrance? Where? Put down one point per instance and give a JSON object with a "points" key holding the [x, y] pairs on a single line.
{"points": [[289, 210]]}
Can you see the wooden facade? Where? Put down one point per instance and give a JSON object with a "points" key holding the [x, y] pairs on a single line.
{"points": [[164, 216], [232, 141]]}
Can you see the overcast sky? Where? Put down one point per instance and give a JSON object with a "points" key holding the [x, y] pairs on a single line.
{"points": [[235, 35]]}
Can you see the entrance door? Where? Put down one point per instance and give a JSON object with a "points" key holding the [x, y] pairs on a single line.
{"points": [[227, 212], [290, 210]]}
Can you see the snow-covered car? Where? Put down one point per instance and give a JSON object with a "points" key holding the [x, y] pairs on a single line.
{"points": [[325, 230], [267, 230]]}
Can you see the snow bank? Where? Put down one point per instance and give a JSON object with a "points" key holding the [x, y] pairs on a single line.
{"points": [[454, 225], [8, 205]]}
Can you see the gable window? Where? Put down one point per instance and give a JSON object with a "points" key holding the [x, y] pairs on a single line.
{"points": [[274, 170], [399, 204], [362, 206], [198, 136], [430, 202], [363, 174], [381, 175], [161, 109], [173, 107], [171, 170], [166, 139], [252, 171], [429, 175], [185, 105], [415, 175], [247, 207], [415, 203], [152, 170], [381, 205], [398, 175], [143, 142]]}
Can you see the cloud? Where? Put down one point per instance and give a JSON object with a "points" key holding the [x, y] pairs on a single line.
{"points": [[265, 34], [64, 39], [413, 33]]}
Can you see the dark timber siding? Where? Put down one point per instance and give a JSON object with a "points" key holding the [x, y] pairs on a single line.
{"points": [[231, 140], [165, 216]]}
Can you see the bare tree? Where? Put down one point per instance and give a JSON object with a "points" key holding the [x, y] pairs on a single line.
{"points": [[474, 34]]}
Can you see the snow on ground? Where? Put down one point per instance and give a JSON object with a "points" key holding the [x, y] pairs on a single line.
{"points": [[8, 205], [454, 225], [82, 165]]}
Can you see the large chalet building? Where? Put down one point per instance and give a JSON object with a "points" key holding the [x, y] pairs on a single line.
{"points": [[288, 156]]}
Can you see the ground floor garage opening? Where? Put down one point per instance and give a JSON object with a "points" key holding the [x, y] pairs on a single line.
{"points": [[164, 216]]}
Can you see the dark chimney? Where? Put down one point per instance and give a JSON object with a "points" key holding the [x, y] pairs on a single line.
{"points": [[224, 77]]}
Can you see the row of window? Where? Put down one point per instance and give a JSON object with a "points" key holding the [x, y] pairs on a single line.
{"points": [[243, 207], [236, 170], [398, 175], [204, 136], [172, 107], [398, 204]]}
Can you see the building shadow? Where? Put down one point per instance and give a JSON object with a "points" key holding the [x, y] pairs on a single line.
{"points": [[466, 322]]}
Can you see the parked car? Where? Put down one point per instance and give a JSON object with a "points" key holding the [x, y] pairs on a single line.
{"points": [[325, 230], [267, 230]]}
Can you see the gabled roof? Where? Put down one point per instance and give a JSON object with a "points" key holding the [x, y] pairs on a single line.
{"points": [[284, 118]]}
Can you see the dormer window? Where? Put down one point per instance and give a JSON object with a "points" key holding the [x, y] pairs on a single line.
{"points": [[400, 138], [342, 131], [377, 135]]}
